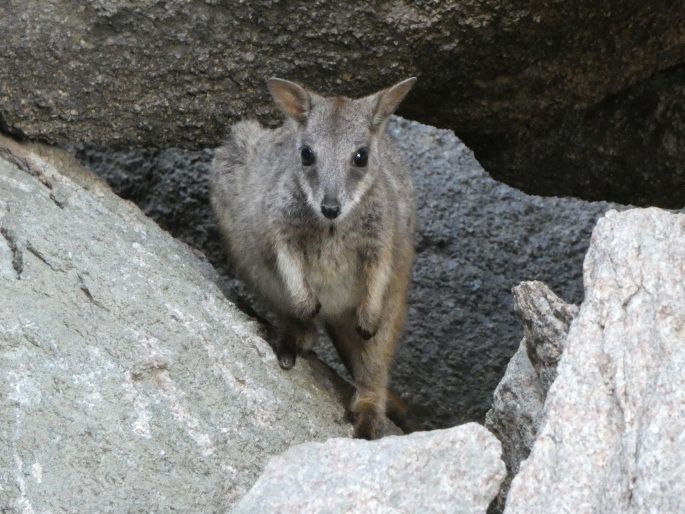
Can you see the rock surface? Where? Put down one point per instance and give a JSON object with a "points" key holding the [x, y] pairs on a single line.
{"points": [[546, 320], [559, 98], [477, 239], [518, 401], [129, 382], [627, 148], [612, 434], [453, 470]]}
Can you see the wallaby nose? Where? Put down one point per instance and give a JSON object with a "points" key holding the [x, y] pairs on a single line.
{"points": [[330, 208]]}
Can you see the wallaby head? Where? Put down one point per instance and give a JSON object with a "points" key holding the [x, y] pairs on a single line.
{"points": [[337, 153]]}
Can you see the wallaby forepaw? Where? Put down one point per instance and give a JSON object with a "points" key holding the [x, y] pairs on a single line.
{"points": [[308, 309], [364, 333], [367, 323]]}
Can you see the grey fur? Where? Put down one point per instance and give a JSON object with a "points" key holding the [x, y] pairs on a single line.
{"points": [[350, 273]]}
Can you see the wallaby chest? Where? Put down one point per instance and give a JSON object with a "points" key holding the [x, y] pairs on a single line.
{"points": [[333, 268]]}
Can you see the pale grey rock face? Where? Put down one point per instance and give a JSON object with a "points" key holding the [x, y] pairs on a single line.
{"points": [[452, 470], [129, 383], [518, 401], [515, 415], [614, 422]]}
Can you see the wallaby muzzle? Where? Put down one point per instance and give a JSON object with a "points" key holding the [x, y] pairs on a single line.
{"points": [[330, 207]]}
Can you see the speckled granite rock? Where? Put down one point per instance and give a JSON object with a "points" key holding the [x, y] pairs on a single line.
{"points": [[452, 470], [129, 382], [517, 403], [546, 320], [612, 433]]}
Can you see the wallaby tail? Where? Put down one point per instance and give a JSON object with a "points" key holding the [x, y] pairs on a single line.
{"points": [[399, 413]]}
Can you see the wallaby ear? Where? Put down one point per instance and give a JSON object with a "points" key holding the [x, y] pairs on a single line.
{"points": [[291, 98], [389, 99]]}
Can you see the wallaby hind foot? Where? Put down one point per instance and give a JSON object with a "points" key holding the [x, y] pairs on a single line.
{"points": [[368, 425]]}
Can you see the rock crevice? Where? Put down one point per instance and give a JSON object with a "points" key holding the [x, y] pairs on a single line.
{"points": [[518, 400]]}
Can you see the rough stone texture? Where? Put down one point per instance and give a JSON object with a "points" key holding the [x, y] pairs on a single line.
{"points": [[515, 417], [581, 98], [546, 320], [129, 383], [518, 401], [477, 239], [612, 438], [628, 148], [453, 470]]}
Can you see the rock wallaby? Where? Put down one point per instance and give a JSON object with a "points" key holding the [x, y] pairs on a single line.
{"points": [[318, 218]]}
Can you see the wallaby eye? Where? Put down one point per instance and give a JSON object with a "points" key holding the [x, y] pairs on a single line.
{"points": [[361, 157], [307, 156]]}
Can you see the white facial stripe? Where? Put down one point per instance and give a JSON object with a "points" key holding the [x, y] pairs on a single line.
{"points": [[362, 187]]}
